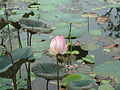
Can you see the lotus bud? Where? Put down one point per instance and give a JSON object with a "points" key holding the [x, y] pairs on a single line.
{"points": [[58, 45]]}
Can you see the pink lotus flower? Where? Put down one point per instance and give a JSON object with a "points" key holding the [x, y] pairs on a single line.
{"points": [[58, 45]]}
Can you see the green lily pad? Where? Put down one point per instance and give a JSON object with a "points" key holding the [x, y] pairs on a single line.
{"points": [[75, 32], [107, 50], [15, 18], [51, 1], [53, 17], [71, 77], [106, 87], [89, 59], [34, 26], [105, 81], [80, 84], [38, 46], [109, 68], [117, 87], [89, 46], [19, 57], [48, 7], [37, 55], [48, 71], [113, 5], [95, 32], [7, 83]]}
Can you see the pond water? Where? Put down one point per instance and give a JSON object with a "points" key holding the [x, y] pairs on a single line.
{"points": [[96, 32]]}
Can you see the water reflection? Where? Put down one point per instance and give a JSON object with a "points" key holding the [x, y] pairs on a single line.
{"points": [[113, 24]]}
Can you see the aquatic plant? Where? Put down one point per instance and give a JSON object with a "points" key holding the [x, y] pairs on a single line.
{"points": [[48, 71], [34, 27], [58, 46], [89, 15], [12, 61]]}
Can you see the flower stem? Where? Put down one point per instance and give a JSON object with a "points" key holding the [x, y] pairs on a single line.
{"points": [[57, 72], [70, 42], [88, 24], [9, 35], [47, 84], [14, 72], [29, 77]]}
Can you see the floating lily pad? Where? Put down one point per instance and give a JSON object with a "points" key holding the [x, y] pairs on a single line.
{"points": [[109, 68], [113, 5], [71, 77], [106, 87], [89, 46], [48, 7], [107, 50], [117, 41], [51, 1], [75, 32], [105, 82], [87, 14], [74, 21], [53, 17], [84, 69], [117, 86], [95, 32], [89, 59], [37, 46], [80, 84]]}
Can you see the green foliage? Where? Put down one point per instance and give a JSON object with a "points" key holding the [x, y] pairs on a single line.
{"points": [[51, 1], [105, 81], [107, 50], [109, 68], [106, 87], [2, 51], [89, 46], [95, 32], [117, 87], [79, 84], [73, 52], [19, 57], [53, 17], [88, 59], [48, 7], [71, 77], [48, 71]]}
